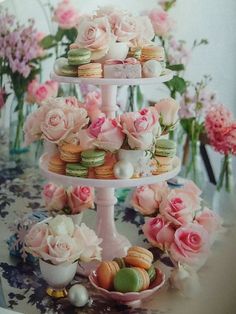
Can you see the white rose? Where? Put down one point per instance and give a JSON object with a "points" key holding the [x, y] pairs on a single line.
{"points": [[88, 243], [61, 225]]}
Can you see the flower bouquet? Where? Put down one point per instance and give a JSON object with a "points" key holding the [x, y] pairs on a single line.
{"points": [[180, 226], [59, 245], [221, 132]]}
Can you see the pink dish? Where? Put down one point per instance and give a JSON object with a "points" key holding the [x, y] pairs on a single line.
{"points": [[132, 299]]}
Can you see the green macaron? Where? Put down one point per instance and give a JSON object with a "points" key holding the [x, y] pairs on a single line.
{"points": [[93, 158], [62, 68], [79, 56], [76, 170], [165, 148], [128, 280], [152, 273]]}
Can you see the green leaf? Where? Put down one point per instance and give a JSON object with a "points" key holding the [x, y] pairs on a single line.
{"points": [[176, 67], [71, 34], [177, 85], [59, 35], [48, 42], [139, 97]]}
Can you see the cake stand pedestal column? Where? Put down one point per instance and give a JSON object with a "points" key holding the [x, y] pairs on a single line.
{"points": [[109, 94], [113, 244]]}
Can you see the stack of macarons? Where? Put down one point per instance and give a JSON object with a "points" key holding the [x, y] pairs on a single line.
{"points": [[165, 151], [57, 165], [132, 273]]}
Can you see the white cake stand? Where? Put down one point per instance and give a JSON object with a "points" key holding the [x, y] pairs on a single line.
{"points": [[114, 244]]}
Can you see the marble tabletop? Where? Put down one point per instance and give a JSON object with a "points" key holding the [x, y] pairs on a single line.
{"points": [[24, 288]]}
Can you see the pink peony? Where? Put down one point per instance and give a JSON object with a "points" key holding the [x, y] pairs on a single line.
{"points": [[168, 111], [94, 34], [60, 249], [80, 198], [55, 197], [144, 200], [66, 15], [159, 232], [103, 133], [36, 238], [161, 21], [141, 128], [209, 220], [191, 245]]}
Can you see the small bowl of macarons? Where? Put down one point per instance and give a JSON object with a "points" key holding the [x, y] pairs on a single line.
{"points": [[130, 279]]}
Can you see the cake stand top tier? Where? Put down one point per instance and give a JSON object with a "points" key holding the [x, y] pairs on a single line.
{"points": [[116, 183], [167, 76]]}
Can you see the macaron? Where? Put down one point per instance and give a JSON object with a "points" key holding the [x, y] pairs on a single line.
{"points": [[152, 68], [139, 257], [93, 158], [76, 170], [106, 272], [120, 261], [152, 273], [90, 70], [106, 171], [70, 152], [57, 165], [79, 56], [164, 164], [165, 148], [145, 278], [62, 68], [153, 52]]}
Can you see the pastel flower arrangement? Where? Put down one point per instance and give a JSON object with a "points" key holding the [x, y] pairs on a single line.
{"points": [[179, 225], [58, 241], [60, 120], [72, 200]]}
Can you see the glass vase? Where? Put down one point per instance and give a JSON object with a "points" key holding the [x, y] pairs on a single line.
{"points": [[18, 114], [224, 198], [193, 169]]}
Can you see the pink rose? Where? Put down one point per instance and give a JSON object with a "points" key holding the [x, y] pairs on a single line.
{"points": [[54, 197], [124, 27], [159, 232], [191, 245], [36, 238], [38, 93], [140, 127], [179, 206], [66, 15], [103, 133], [80, 198], [144, 32], [94, 34], [93, 102], [161, 191], [144, 200], [161, 21], [88, 242], [63, 124], [61, 249], [168, 111], [32, 125], [209, 220], [72, 101]]}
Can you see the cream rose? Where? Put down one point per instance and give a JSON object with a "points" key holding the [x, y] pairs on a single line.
{"points": [[168, 111], [61, 225], [143, 199], [36, 239]]}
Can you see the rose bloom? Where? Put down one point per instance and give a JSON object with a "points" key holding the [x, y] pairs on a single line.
{"points": [[63, 123], [141, 128], [92, 103], [38, 93], [179, 206], [55, 197], [61, 225], [80, 198], [191, 245], [159, 232], [161, 21], [66, 15], [143, 199], [161, 191], [88, 243], [72, 101], [144, 32], [103, 133], [61, 249], [168, 111], [94, 34], [209, 220], [36, 238], [125, 28]]}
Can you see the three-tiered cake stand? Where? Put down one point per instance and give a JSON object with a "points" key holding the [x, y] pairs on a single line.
{"points": [[114, 244]]}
